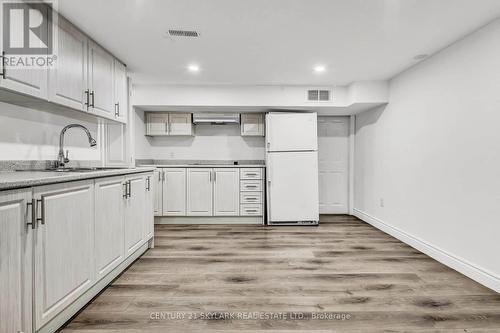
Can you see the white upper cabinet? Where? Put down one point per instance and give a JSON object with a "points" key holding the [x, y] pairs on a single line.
{"points": [[252, 124], [199, 192], [121, 91], [161, 123], [180, 124], [156, 123], [226, 191], [68, 79], [101, 81], [64, 246], [24, 80], [16, 239]]}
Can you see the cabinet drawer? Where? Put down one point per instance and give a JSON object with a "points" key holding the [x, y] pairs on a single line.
{"points": [[251, 173], [250, 197], [251, 185], [249, 209]]}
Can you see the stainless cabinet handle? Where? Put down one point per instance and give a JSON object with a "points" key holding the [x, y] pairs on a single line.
{"points": [[251, 186], [92, 93], [215, 176], [125, 192], [117, 109], [251, 210], [41, 219], [163, 175], [4, 70], [210, 176], [31, 205], [148, 184], [251, 174], [129, 188], [87, 98]]}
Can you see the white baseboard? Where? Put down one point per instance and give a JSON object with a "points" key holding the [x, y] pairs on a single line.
{"points": [[468, 269]]}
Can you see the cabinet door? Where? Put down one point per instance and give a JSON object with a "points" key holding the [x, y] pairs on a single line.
{"points": [[199, 192], [64, 246], [149, 219], [109, 232], [68, 79], [158, 192], [22, 79], [101, 78], [226, 192], [121, 91], [116, 144], [180, 124], [134, 213], [156, 123], [15, 261], [252, 124], [174, 192]]}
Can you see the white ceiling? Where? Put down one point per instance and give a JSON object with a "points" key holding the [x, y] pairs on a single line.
{"points": [[250, 42]]}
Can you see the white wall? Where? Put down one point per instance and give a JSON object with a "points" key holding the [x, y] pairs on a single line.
{"points": [[28, 134], [433, 156], [222, 142]]}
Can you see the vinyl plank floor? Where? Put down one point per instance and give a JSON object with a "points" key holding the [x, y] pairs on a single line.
{"points": [[343, 276]]}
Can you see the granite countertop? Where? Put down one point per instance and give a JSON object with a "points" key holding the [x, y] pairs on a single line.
{"points": [[28, 178], [204, 165]]}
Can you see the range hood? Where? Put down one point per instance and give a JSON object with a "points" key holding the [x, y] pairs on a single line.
{"points": [[216, 118]]}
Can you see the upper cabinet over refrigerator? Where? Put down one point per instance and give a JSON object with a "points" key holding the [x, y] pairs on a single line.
{"points": [[291, 131]]}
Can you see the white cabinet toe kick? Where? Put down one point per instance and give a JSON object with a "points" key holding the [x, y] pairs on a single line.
{"points": [[204, 195]]}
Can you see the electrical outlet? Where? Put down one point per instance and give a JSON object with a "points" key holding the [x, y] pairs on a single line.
{"points": [[381, 202]]}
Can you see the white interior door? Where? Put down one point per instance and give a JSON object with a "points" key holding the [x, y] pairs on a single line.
{"points": [[333, 152]]}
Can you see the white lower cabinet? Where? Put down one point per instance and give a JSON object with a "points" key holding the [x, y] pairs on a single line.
{"points": [[211, 191], [149, 203], [174, 191], [226, 191], [134, 212], [109, 228], [199, 192], [158, 192], [15, 261], [64, 246]]}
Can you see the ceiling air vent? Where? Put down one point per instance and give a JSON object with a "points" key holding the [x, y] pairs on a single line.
{"points": [[318, 95], [183, 33]]}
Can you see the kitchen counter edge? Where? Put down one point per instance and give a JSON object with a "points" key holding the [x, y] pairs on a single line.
{"points": [[12, 180]]}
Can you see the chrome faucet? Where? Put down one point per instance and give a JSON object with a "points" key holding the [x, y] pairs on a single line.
{"points": [[61, 159]]}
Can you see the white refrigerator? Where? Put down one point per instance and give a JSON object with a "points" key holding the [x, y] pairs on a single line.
{"points": [[292, 168]]}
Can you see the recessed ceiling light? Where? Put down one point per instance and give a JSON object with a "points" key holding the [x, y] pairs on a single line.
{"points": [[319, 68], [193, 68]]}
